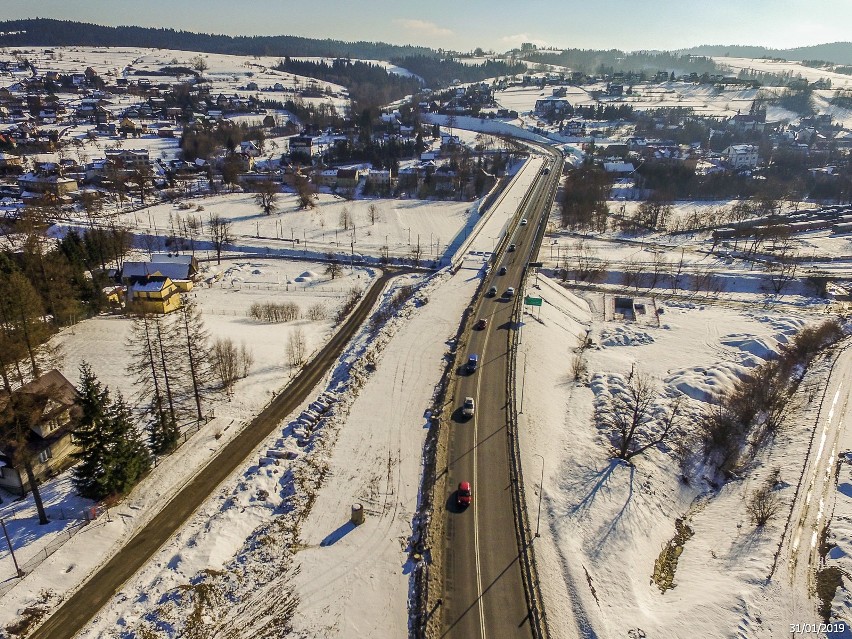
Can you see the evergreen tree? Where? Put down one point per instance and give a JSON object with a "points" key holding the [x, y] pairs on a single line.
{"points": [[91, 475], [131, 455], [112, 455]]}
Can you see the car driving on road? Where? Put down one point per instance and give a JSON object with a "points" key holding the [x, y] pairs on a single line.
{"points": [[502, 270], [524, 222], [512, 247], [469, 407], [492, 291], [509, 292], [482, 324], [464, 495], [472, 363]]}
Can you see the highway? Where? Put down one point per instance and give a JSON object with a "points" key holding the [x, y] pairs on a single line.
{"points": [[483, 587]]}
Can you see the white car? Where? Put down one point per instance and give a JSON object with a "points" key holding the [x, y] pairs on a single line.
{"points": [[469, 407]]}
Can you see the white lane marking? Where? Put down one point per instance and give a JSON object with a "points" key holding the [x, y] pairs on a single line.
{"points": [[475, 488]]}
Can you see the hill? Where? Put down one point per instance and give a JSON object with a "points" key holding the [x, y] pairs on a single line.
{"points": [[54, 33], [837, 52]]}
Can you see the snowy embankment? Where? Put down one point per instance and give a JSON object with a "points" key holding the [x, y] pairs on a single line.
{"points": [[271, 549], [604, 523]]}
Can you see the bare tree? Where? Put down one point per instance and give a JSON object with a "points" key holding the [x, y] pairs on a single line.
{"points": [[317, 312], [220, 234], [333, 269], [345, 218], [142, 178], [267, 196], [782, 271], [296, 347], [306, 193], [633, 426], [230, 363], [197, 349], [632, 274], [374, 213]]}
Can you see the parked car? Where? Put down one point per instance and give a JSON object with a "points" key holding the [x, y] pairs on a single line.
{"points": [[481, 324], [472, 363], [509, 292], [469, 407], [464, 495], [511, 247], [492, 291], [502, 270], [524, 222]]}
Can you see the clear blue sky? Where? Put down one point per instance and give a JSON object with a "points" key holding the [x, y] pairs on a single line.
{"points": [[465, 24]]}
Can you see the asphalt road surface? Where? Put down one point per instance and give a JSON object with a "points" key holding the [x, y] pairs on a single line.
{"points": [[483, 595], [70, 618]]}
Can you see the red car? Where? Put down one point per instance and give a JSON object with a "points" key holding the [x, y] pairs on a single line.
{"points": [[481, 324], [464, 495]]}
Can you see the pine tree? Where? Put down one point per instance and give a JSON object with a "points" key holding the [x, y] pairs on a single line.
{"points": [[112, 454], [91, 475], [131, 456]]}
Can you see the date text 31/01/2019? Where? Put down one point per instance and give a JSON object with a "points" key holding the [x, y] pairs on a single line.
{"points": [[816, 628]]}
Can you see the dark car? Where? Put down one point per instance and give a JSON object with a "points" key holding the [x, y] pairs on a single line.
{"points": [[472, 363], [511, 247], [481, 324], [502, 270], [492, 291], [464, 495]]}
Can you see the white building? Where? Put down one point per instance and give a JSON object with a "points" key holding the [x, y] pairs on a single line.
{"points": [[742, 156]]}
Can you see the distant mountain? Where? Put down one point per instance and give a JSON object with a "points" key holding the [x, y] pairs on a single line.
{"points": [[837, 52], [54, 33]]}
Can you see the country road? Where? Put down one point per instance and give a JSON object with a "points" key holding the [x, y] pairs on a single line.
{"points": [[67, 620]]}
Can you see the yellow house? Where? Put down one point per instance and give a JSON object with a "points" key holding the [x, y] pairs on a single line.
{"points": [[155, 294]]}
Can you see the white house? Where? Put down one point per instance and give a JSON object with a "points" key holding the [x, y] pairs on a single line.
{"points": [[742, 156]]}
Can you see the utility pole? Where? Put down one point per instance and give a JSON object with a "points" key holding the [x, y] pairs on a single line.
{"points": [[18, 571]]}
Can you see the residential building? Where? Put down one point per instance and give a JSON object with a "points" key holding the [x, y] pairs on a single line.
{"points": [[50, 441], [155, 294], [742, 156]]}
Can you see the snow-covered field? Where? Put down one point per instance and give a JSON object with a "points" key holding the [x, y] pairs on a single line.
{"points": [[604, 523]]}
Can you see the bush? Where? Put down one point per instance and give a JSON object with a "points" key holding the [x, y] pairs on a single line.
{"points": [[275, 313], [763, 505], [317, 312]]}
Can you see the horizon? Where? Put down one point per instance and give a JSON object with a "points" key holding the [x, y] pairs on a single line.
{"points": [[468, 27]]}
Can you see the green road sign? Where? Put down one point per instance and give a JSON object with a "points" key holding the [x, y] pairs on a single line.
{"points": [[532, 301]]}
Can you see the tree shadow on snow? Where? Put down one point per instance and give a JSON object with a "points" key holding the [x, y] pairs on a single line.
{"points": [[595, 481]]}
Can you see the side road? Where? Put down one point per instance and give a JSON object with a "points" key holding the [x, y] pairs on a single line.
{"points": [[67, 620]]}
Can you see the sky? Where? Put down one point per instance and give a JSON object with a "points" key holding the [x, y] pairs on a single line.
{"points": [[463, 25]]}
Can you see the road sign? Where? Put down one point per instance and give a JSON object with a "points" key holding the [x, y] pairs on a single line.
{"points": [[535, 264], [532, 301]]}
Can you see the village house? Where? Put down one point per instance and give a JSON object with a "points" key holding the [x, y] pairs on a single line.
{"points": [[741, 156], [49, 443], [154, 294]]}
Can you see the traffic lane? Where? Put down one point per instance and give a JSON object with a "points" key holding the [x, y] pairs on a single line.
{"points": [[502, 587], [462, 582], [460, 611]]}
